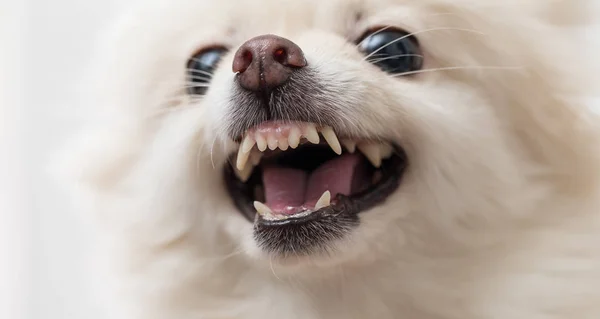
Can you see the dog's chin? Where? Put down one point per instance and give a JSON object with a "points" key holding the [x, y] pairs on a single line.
{"points": [[304, 196]]}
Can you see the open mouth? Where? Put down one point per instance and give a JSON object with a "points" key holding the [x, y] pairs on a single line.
{"points": [[295, 173]]}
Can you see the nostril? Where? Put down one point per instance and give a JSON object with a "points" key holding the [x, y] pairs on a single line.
{"points": [[267, 61], [242, 61], [280, 55], [247, 57]]}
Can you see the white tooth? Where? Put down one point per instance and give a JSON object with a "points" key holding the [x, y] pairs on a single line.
{"points": [[332, 139], [244, 174], [272, 142], [350, 145], [283, 143], [247, 144], [262, 209], [311, 134], [294, 137], [242, 159], [261, 143], [255, 157], [386, 150], [371, 152], [324, 201]]}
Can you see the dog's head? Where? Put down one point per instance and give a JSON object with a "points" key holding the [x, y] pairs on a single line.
{"points": [[337, 131]]}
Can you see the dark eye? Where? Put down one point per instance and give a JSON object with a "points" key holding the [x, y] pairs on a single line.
{"points": [[200, 69], [394, 51]]}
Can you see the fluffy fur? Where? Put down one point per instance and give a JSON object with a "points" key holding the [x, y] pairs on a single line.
{"points": [[497, 216]]}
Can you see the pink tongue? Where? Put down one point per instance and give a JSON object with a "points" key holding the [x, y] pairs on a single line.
{"points": [[284, 188], [290, 190]]}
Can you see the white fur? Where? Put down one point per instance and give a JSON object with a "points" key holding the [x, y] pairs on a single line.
{"points": [[497, 216]]}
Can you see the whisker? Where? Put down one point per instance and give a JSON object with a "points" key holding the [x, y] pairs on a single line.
{"points": [[198, 77], [195, 85], [200, 72], [187, 82], [378, 55], [394, 57], [225, 257], [272, 268], [212, 148], [419, 32], [372, 34]]}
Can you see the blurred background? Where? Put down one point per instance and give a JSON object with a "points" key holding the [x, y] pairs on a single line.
{"points": [[44, 47]]}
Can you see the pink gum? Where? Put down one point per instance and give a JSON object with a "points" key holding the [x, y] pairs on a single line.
{"points": [[277, 129]]}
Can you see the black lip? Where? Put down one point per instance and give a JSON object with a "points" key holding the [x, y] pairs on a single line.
{"points": [[313, 232], [306, 235]]}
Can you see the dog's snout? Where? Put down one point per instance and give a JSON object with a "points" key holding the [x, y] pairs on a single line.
{"points": [[266, 62]]}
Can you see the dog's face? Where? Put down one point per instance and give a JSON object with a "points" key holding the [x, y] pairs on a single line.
{"points": [[335, 131]]}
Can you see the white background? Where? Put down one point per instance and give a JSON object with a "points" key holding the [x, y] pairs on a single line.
{"points": [[44, 47]]}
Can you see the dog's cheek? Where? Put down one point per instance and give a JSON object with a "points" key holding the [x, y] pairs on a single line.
{"points": [[152, 182], [461, 167]]}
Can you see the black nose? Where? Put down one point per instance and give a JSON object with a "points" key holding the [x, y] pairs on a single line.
{"points": [[266, 62]]}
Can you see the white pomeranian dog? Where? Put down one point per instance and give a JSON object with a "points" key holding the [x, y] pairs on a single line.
{"points": [[416, 159]]}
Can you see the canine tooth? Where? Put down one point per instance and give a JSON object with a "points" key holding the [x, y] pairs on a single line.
{"points": [[242, 159], [244, 174], [324, 201], [294, 137], [350, 145], [261, 143], [272, 142], [386, 150], [332, 139], [262, 209], [255, 157], [371, 152], [248, 144], [283, 144], [311, 134]]}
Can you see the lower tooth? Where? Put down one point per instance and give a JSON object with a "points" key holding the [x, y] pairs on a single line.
{"points": [[324, 201], [262, 209]]}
